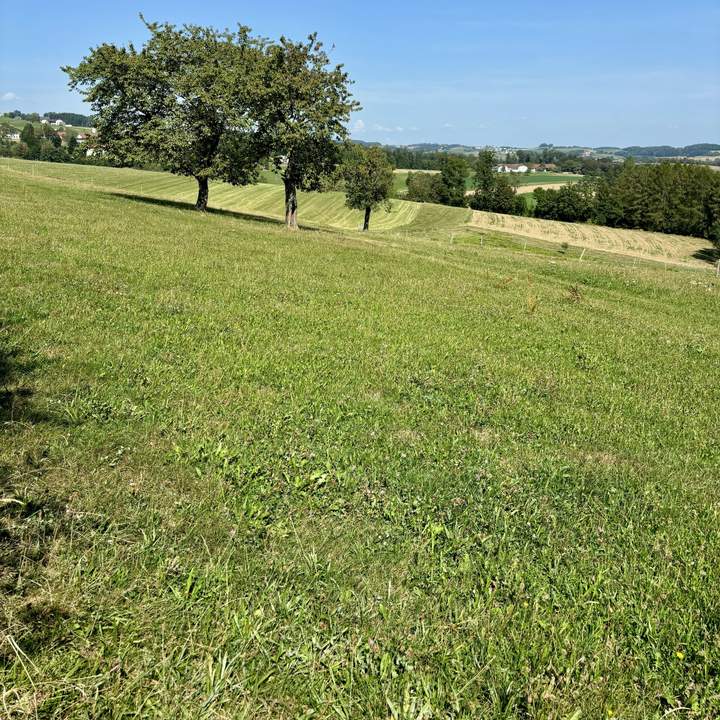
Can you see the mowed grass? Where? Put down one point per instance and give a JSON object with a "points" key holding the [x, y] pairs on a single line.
{"points": [[265, 199], [631, 243], [253, 473], [520, 179]]}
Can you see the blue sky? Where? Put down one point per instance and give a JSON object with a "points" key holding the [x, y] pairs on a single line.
{"points": [[516, 73]]}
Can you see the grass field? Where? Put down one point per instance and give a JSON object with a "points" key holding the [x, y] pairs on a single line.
{"points": [[632, 243], [328, 209], [249, 473], [266, 200], [521, 179]]}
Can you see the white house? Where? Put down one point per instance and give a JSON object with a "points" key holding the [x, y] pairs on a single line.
{"points": [[58, 123], [14, 137], [512, 168]]}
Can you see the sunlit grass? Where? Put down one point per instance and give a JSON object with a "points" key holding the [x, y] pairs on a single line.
{"points": [[425, 472]]}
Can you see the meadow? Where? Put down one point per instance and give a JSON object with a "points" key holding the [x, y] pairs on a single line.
{"points": [[436, 470], [525, 182]]}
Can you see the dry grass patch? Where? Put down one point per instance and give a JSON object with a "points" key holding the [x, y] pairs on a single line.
{"points": [[674, 249]]}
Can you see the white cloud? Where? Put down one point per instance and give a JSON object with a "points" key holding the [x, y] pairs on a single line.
{"points": [[8, 96], [382, 128], [448, 125]]}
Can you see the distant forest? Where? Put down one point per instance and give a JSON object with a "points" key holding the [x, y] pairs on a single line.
{"points": [[66, 117], [659, 151]]}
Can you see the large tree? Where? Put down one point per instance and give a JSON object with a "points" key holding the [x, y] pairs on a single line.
{"points": [[424, 187], [183, 101], [368, 177], [302, 112]]}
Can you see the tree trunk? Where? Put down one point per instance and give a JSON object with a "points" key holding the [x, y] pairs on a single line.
{"points": [[203, 192], [366, 223], [290, 206]]}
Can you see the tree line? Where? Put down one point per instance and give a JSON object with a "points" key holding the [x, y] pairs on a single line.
{"points": [[67, 117], [667, 197], [45, 144]]}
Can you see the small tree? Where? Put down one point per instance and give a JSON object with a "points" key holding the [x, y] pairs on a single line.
{"points": [[424, 187], [368, 179], [485, 180], [182, 101], [302, 109], [27, 135], [454, 170]]}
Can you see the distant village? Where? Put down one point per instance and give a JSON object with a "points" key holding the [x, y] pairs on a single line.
{"points": [[61, 129]]}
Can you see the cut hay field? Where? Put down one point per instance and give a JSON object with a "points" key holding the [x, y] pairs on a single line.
{"points": [[249, 473], [632, 243], [264, 199]]}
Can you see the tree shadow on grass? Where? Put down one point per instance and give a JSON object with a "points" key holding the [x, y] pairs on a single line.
{"points": [[709, 255], [16, 395], [210, 211], [31, 517]]}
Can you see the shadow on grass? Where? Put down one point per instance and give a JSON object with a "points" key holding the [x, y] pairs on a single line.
{"points": [[31, 516], [210, 211], [15, 394], [710, 255]]}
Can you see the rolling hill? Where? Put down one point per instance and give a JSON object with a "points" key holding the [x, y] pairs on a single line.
{"points": [[427, 471]]}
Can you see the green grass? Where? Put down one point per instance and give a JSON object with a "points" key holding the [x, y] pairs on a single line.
{"points": [[253, 473], [265, 200], [543, 178], [400, 180]]}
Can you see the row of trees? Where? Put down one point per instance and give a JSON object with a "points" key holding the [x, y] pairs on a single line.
{"points": [[445, 186], [666, 197], [69, 118], [492, 191], [215, 104], [409, 159]]}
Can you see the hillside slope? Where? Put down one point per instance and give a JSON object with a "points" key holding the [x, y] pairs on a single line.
{"points": [[329, 210], [252, 473]]}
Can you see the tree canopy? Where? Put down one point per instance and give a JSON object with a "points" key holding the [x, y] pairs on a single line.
{"points": [[368, 177], [184, 100], [302, 108], [453, 172]]}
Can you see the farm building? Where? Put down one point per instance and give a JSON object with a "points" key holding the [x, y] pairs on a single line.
{"points": [[513, 168]]}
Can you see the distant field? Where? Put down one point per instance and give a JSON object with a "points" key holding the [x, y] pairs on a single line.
{"points": [[634, 243], [521, 179], [425, 473]]}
